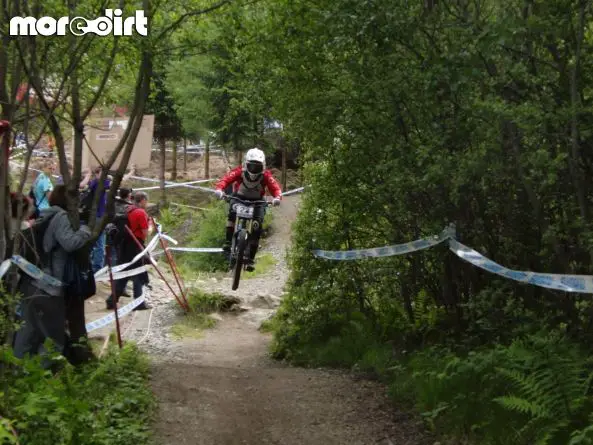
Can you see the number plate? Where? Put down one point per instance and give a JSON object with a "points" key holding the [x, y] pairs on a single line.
{"points": [[244, 211]]}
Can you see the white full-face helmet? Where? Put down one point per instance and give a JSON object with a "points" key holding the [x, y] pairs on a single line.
{"points": [[254, 164]]}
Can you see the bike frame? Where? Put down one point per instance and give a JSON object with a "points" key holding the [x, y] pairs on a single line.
{"points": [[242, 222]]}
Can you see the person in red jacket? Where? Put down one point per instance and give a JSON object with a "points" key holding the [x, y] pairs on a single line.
{"points": [[250, 182]]}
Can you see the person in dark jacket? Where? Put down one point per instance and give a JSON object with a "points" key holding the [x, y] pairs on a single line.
{"points": [[44, 305]]}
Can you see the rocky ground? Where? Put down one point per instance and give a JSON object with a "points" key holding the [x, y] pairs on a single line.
{"points": [[223, 388]]}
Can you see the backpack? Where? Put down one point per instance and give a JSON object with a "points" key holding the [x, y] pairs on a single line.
{"points": [[120, 221], [78, 278]]}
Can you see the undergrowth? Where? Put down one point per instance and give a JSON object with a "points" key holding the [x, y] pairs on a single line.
{"points": [[201, 304], [534, 391], [103, 403]]}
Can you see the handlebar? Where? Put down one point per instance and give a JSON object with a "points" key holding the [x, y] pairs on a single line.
{"points": [[229, 198]]}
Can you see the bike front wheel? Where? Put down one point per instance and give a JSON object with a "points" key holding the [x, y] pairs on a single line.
{"points": [[241, 246]]}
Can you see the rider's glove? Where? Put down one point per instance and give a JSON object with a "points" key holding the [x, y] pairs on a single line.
{"points": [[219, 194], [276, 202]]}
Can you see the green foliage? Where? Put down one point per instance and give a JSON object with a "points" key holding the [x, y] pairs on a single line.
{"points": [[264, 263], [202, 302], [208, 231], [193, 323], [109, 402]]}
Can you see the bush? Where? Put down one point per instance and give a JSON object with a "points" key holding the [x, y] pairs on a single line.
{"points": [[105, 403], [207, 231]]}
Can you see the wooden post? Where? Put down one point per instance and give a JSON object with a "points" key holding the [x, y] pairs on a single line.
{"points": [[284, 155], [174, 168], [207, 157], [185, 155], [163, 147]]}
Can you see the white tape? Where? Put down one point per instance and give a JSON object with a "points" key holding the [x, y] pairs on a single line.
{"points": [[121, 312], [191, 249], [374, 252], [177, 184], [291, 192], [567, 283], [4, 267], [120, 275]]}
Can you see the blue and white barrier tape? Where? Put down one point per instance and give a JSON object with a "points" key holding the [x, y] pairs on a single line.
{"points": [[191, 249], [562, 282], [292, 192], [175, 184], [30, 269], [566, 283], [375, 252], [121, 312]]}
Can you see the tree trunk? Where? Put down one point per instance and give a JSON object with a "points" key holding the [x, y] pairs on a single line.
{"points": [[185, 155], [163, 150], [207, 157], [284, 155], [576, 168], [174, 168]]}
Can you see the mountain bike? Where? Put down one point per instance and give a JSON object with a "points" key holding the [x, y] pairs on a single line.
{"points": [[242, 239]]}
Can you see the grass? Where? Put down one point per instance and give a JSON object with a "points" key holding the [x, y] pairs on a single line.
{"points": [[197, 320], [192, 326], [263, 264]]}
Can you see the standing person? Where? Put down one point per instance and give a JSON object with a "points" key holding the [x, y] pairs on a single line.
{"points": [[98, 251], [250, 183], [43, 186], [122, 203], [51, 145], [44, 305], [138, 224]]}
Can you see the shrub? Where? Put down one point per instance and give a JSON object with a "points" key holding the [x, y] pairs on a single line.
{"points": [[104, 403]]}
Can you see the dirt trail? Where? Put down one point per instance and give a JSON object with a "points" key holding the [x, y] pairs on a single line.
{"points": [[223, 389]]}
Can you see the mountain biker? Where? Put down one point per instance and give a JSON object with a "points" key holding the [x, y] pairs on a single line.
{"points": [[250, 182]]}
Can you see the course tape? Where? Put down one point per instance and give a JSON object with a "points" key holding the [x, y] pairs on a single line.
{"points": [[375, 252], [566, 283], [177, 184], [192, 249], [30, 269], [562, 282], [291, 192], [121, 312], [196, 187]]}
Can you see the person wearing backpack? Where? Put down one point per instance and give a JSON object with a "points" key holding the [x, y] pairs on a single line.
{"points": [[137, 221], [120, 220], [44, 306], [42, 187]]}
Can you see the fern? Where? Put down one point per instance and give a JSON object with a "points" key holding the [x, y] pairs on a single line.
{"points": [[550, 382]]}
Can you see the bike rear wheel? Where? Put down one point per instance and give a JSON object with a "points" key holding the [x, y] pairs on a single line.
{"points": [[241, 245]]}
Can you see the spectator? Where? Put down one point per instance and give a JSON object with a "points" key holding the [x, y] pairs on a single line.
{"points": [[44, 306], [51, 145], [43, 186], [122, 203], [60, 180], [138, 224], [98, 251]]}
